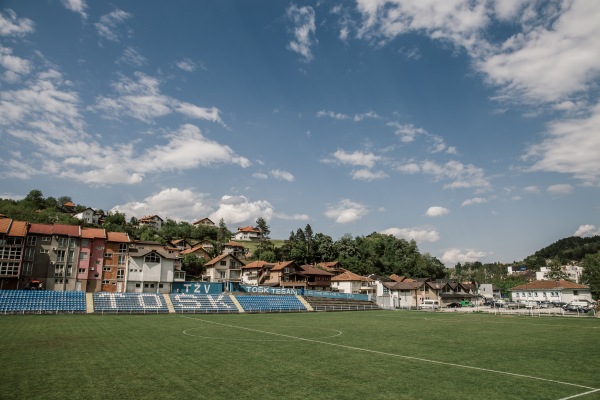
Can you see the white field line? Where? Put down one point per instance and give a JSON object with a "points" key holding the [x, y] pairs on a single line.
{"points": [[592, 390], [580, 394]]}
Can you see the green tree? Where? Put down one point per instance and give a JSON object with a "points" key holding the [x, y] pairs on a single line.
{"points": [[591, 273], [193, 265], [261, 224], [555, 270]]}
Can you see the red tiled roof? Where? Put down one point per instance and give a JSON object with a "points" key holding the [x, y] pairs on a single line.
{"points": [[350, 276], [397, 278], [219, 258], [248, 229], [549, 285], [40, 229], [10, 227], [93, 233], [281, 265], [119, 237], [310, 270], [257, 264], [233, 244]]}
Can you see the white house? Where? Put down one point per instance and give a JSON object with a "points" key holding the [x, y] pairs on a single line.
{"points": [[256, 272], [89, 215], [152, 268], [349, 282], [247, 233], [224, 268], [573, 272], [559, 291]]}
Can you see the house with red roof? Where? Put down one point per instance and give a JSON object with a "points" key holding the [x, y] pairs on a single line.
{"points": [[12, 249], [256, 272], [551, 290], [116, 252], [247, 233], [224, 268], [349, 282], [152, 268], [204, 221], [316, 278], [90, 260], [152, 221], [55, 252]]}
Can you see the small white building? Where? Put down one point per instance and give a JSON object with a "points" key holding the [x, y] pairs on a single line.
{"points": [[224, 268], [558, 291], [351, 283], [247, 233], [89, 215], [256, 272], [573, 272], [152, 268]]}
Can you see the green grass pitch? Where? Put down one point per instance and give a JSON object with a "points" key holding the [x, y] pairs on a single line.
{"points": [[344, 355]]}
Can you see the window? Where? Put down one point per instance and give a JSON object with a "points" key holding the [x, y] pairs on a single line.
{"points": [[137, 285], [85, 242], [99, 247], [81, 270], [62, 242], [71, 256], [152, 258], [575, 292], [120, 273], [121, 260], [29, 254], [46, 238], [27, 268], [31, 240], [44, 251], [223, 263], [107, 255], [105, 282], [122, 247], [222, 274], [60, 256], [83, 256], [106, 269]]}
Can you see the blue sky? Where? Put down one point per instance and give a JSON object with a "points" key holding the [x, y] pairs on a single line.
{"points": [[472, 127]]}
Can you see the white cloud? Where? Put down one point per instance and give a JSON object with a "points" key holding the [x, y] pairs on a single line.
{"points": [[293, 217], [453, 256], [587, 231], [340, 116], [475, 200], [303, 19], [553, 59], [282, 175], [238, 209], [15, 66], [571, 147], [44, 117], [10, 25], [186, 65], [173, 203], [560, 189], [132, 57], [407, 132], [419, 235], [346, 211], [108, 24], [141, 99], [357, 158], [368, 175], [436, 211], [531, 189], [457, 21], [77, 6], [459, 174], [260, 175], [332, 114]]}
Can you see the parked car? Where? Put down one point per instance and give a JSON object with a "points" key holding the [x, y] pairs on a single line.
{"points": [[499, 303], [531, 304], [429, 305], [576, 308], [454, 305], [466, 303], [560, 304]]}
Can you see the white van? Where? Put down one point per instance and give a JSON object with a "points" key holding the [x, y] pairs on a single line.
{"points": [[429, 305]]}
